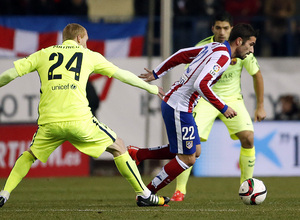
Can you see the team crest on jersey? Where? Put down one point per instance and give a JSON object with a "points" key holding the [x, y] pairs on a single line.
{"points": [[233, 61], [189, 144]]}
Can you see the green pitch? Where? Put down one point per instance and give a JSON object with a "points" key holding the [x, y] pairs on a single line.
{"points": [[113, 198]]}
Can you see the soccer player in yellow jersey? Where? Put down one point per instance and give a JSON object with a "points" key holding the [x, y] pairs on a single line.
{"points": [[228, 89], [64, 114]]}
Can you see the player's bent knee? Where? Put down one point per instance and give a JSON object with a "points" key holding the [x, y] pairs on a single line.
{"points": [[192, 162], [117, 148], [198, 151], [248, 142], [189, 160], [246, 139]]}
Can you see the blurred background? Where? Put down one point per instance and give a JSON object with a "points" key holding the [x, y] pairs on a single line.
{"points": [[277, 20], [135, 34]]}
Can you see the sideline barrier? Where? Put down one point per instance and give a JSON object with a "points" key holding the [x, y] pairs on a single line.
{"points": [[277, 145], [66, 160]]}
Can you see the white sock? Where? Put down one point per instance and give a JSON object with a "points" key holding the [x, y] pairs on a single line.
{"points": [[146, 193], [6, 194]]}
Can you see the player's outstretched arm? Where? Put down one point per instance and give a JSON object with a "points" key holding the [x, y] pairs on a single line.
{"points": [[148, 77], [230, 113], [8, 76], [133, 80]]}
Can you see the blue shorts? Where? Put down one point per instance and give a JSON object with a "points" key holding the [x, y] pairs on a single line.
{"points": [[181, 129]]}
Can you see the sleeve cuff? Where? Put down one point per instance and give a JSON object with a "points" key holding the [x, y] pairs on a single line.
{"points": [[224, 109], [155, 75]]}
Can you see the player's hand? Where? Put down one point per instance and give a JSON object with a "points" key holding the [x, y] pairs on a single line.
{"points": [[230, 113], [161, 93], [148, 77], [259, 115]]}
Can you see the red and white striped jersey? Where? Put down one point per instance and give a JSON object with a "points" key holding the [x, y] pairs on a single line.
{"points": [[207, 64]]}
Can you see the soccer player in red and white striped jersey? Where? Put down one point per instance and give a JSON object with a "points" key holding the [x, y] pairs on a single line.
{"points": [[207, 63]]}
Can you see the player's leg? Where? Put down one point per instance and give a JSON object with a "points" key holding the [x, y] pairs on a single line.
{"points": [[19, 171], [170, 171], [41, 147], [130, 172], [156, 153], [241, 127], [247, 154], [181, 183], [205, 115], [127, 167], [99, 138], [183, 138]]}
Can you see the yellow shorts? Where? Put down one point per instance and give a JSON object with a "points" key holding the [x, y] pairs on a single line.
{"points": [[205, 114], [89, 136]]}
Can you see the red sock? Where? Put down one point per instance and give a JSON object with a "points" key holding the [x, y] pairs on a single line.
{"points": [[160, 152], [169, 172]]}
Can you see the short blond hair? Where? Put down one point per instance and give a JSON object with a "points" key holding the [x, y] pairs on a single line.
{"points": [[71, 31]]}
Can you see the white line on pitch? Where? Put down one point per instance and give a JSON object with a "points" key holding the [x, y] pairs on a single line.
{"points": [[129, 210]]}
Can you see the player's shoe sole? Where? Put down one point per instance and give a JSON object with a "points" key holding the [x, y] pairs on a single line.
{"points": [[153, 200], [2, 201], [132, 150], [4, 196], [177, 196]]}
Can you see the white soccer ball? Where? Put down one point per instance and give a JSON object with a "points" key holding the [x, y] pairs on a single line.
{"points": [[253, 191]]}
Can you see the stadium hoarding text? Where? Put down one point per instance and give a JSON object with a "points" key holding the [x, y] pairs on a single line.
{"points": [[277, 152], [277, 146], [66, 160]]}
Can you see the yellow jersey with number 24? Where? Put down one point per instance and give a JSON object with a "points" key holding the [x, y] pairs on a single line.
{"points": [[64, 71]]}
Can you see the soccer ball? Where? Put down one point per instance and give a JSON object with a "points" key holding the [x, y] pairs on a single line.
{"points": [[253, 191]]}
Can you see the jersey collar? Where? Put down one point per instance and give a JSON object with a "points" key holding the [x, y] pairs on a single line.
{"points": [[70, 42], [228, 47]]}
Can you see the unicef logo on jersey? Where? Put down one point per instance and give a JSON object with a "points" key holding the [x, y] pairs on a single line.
{"points": [[73, 86], [64, 87]]}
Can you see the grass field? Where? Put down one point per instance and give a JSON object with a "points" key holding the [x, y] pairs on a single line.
{"points": [[112, 198]]}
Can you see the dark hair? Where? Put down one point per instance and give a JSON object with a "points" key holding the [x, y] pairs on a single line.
{"points": [[244, 31], [222, 16]]}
